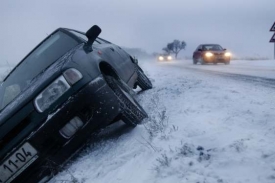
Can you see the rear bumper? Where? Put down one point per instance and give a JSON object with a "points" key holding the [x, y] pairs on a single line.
{"points": [[95, 104]]}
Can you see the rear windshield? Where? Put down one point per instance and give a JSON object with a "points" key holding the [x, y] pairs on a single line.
{"points": [[41, 58]]}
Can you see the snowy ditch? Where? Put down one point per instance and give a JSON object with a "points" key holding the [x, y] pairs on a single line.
{"points": [[202, 128]]}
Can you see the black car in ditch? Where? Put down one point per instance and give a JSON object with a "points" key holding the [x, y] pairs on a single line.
{"points": [[71, 84]]}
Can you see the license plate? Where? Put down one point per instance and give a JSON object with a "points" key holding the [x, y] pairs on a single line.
{"points": [[17, 163]]}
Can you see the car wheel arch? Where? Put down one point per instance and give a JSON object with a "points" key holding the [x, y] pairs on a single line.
{"points": [[106, 69]]}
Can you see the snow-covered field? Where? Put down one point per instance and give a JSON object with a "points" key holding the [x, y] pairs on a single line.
{"points": [[203, 127]]}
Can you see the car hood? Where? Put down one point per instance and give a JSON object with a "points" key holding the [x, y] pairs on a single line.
{"points": [[34, 88]]}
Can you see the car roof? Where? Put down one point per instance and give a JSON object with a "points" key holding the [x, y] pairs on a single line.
{"points": [[209, 44]]}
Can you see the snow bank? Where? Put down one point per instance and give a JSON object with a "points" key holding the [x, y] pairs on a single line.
{"points": [[202, 128]]}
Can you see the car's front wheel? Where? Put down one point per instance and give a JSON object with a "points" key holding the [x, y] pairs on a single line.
{"points": [[195, 61], [201, 61], [131, 112], [143, 81], [227, 63]]}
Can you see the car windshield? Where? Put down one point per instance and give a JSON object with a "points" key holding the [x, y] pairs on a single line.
{"points": [[213, 47], [41, 58]]}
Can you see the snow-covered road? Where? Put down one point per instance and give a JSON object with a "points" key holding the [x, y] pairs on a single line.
{"points": [[258, 68], [203, 127]]}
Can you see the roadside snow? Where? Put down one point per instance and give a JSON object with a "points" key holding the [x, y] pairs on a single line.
{"points": [[202, 128], [258, 68]]}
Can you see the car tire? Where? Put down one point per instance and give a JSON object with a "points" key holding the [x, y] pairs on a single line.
{"points": [[227, 63], [131, 112], [195, 61], [201, 61], [143, 81]]}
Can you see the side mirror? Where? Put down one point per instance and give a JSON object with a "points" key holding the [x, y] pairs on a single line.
{"points": [[92, 34], [224, 49], [199, 49]]}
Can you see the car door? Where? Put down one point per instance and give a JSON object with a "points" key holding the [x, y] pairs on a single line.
{"points": [[126, 62]]}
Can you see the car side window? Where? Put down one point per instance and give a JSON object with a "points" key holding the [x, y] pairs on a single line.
{"points": [[200, 47], [79, 35], [102, 41], [84, 38], [97, 42]]}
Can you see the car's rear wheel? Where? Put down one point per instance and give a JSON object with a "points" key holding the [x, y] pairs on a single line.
{"points": [[131, 112], [195, 61], [143, 81]]}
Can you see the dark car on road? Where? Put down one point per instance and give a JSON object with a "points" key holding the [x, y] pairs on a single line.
{"points": [[70, 85], [211, 53], [165, 57]]}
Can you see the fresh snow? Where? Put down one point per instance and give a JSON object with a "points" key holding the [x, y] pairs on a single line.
{"points": [[204, 126], [259, 68]]}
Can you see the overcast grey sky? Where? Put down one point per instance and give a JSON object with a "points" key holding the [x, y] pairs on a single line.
{"points": [[242, 26]]}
